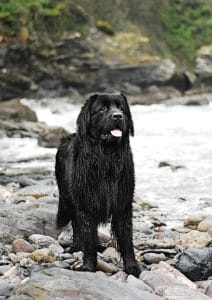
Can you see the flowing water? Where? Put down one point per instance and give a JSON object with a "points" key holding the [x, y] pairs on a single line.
{"points": [[179, 135]]}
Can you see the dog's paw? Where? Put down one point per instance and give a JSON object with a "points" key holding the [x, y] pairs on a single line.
{"points": [[133, 269]]}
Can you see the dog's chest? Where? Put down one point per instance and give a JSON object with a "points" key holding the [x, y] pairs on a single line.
{"points": [[105, 192]]}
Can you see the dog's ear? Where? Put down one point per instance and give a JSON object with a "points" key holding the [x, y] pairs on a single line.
{"points": [[83, 120], [129, 116]]}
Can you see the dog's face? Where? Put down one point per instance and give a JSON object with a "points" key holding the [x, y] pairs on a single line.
{"points": [[105, 117]]}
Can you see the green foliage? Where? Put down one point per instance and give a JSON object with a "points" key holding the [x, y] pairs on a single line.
{"points": [[188, 26], [50, 16]]}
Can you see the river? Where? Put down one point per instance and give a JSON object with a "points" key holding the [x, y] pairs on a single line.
{"points": [[179, 135]]}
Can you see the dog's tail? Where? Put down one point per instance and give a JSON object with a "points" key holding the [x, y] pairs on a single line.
{"points": [[63, 215]]}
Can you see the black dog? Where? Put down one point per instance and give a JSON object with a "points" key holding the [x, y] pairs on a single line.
{"points": [[95, 176]]}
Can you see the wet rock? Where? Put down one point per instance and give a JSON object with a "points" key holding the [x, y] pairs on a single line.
{"points": [[192, 222], [111, 252], [154, 258], [4, 260], [26, 262], [153, 95], [26, 219], [20, 245], [133, 281], [56, 249], [173, 167], [147, 205], [5, 194], [194, 239], [66, 284], [183, 293], [205, 287], [164, 277], [65, 238], [195, 100], [142, 75], [206, 224], [42, 240], [52, 137], [165, 243], [196, 264], [106, 267], [36, 191], [204, 64], [5, 289], [47, 136], [60, 264], [208, 291], [16, 258], [4, 269], [44, 255], [15, 110]]}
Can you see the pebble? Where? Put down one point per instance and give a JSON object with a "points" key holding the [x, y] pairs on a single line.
{"points": [[194, 239], [36, 191], [65, 255], [44, 255], [105, 267], [56, 249], [154, 258], [60, 264], [111, 252], [4, 260], [26, 262], [65, 239], [193, 221], [42, 240], [20, 245], [206, 224], [121, 276]]}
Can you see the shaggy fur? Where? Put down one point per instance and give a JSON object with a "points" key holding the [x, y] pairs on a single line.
{"points": [[95, 176]]}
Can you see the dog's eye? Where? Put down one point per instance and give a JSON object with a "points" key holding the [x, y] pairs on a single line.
{"points": [[103, 108], [121, 108]]}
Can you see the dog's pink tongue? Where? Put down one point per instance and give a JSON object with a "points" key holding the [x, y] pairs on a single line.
{"points": [[116, 132]]}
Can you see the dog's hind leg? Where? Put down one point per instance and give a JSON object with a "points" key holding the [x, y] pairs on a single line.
{"points": [[63, 214]]}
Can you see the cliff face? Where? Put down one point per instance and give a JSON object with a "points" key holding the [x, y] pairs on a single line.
{"points": [[140, 47]]}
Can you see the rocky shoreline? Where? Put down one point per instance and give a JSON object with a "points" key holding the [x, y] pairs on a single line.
{"points": [[74, 67], [35, 258]]}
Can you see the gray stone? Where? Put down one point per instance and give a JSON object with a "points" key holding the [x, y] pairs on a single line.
{"points": [[56, 249], [58, 283], [14, 109], [196, 264], [183, 293], [154, 258]]}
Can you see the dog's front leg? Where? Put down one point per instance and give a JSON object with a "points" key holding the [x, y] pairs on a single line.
{"points": [[122, 229], [88, 239]]}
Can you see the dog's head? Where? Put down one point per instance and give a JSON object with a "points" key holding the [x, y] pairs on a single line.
{"points": [[105, 117]]}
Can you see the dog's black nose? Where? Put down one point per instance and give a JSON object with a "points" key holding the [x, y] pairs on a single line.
{"points": [[117, 116]]}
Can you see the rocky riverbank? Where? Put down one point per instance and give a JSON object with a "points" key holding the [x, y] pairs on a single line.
{"points": [[35, 258], [76, 66]]}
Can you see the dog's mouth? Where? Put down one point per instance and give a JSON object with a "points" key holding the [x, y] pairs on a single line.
{"points": [[116, 133]]}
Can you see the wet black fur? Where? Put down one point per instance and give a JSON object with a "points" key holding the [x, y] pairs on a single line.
{"points": [[95, 176]]}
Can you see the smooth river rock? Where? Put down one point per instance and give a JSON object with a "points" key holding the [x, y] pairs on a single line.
{"points": [[57, 283]]}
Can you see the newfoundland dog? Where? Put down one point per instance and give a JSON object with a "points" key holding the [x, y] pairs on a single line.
{"points": [[95, 176]]}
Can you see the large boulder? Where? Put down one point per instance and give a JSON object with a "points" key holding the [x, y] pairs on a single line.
{"points": [[58, 283], [142, 75], [196, 264], [204, 65], [15, 110]]}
